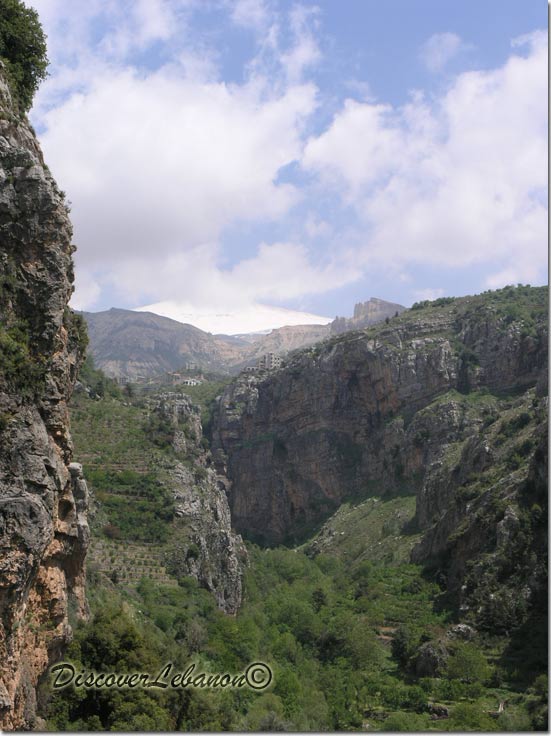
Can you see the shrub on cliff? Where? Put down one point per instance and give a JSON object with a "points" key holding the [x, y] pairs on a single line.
{"points": [[23, 50], [18, 368]]}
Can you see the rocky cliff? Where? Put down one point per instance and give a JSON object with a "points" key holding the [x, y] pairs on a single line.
{"points": [[410, 406], [43, 528], [285, 339], [366, 314], [203, 544]]}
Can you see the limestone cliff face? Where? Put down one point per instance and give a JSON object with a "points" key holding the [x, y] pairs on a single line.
{"points": [[204, 545], [43, 529], [366, 314], [285, 339], [361, 413]]}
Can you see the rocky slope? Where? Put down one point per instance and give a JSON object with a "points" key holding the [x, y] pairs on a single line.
{"points": [[142, 344], [407, 407], [43, 528], [203, 544], [285, 339], [159, 508]]}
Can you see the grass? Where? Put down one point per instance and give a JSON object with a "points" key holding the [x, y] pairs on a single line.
{"points": [[372, 529]]}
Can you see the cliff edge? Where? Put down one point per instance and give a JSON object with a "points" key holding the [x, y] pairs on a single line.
{"points": [[446, 402], [43, 497]]}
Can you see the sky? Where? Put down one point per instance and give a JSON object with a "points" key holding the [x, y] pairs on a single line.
{"points": [[244, 164]]}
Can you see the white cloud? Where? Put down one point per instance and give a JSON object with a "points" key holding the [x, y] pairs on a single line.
{"points": [[158, 164], [252, 14], [430, 294], [277, 272], [232, 320], [461, 181], [287, 41], [503, 278], [440, 49], [316, 227], [356, 149], [145, 22], [286, 271], [305, 51], [87, 290]]}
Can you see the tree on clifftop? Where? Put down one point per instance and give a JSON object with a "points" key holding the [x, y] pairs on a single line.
{"points": [[23, 50]]}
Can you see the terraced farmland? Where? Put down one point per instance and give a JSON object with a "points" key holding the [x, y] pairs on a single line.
{"points": [[126, 563]]}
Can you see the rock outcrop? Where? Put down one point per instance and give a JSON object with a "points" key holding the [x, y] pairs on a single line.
{"points": [[286, 339], [203, 545], [411, 406], [43, 528], [356, 411], [366, 314]]}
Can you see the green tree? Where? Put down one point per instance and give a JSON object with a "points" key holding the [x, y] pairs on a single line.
{"points": [[362, 577], [468, 664], [541, 686], [470, 717], [404, 645], [288, 688], [404, 722], [319, 599], [23, 50], [130, 390]]}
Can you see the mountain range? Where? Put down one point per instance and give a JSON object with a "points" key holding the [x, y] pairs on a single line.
{"points": [[139, 345]]}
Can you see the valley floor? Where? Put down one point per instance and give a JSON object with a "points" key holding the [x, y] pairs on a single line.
{"points": [[356, 636]]}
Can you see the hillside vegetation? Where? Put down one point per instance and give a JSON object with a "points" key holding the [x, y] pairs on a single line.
{"points": [[357, 636]]}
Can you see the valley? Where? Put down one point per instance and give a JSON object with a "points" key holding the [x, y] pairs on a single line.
{"points": [[396, 606], [358, 507]]}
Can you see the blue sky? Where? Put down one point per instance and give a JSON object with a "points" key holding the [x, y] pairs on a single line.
{"points": [[240, 157]]}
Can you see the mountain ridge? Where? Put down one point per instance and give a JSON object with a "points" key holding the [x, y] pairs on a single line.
{"points": [[138, 344]]}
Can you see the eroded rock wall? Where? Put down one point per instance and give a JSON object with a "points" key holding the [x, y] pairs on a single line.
{"points": [[204, 544], [43, 528], [356, 414]]}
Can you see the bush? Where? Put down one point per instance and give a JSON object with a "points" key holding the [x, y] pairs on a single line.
{"points": [[193, 552], [541, 686], [470, 717], [20, 369], [404, 645], [468, 664], [23, 50], [404, 722]]}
